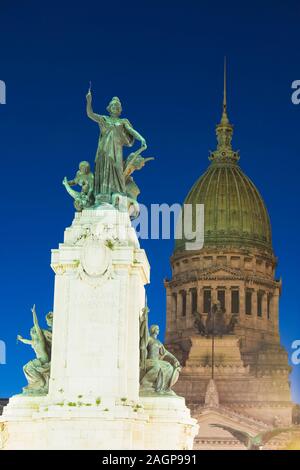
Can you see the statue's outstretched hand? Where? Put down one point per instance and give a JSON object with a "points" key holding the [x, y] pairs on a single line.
{"points": [[89, 96], [143, 143], [64, 182]]}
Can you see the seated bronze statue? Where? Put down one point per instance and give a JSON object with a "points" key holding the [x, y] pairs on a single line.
{"points": [[160, 370]]}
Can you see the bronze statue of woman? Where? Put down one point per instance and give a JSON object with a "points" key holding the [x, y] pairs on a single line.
{"points": [[115, 133], [37, 371], [161, 369]]}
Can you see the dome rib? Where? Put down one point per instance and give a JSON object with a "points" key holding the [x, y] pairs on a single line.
{"points": [[216, 200], [263, 208], [249, 209], [238, 197]]}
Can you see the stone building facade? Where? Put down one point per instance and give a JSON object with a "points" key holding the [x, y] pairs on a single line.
{"points": [[236, 266]]}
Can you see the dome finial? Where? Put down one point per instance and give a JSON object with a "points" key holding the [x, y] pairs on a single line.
{"points": [[224, 119], [224, 96], [224, 131]]}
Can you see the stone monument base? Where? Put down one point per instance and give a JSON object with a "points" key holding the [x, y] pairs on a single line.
{"points": [[93, 400], [170, 425], [32, 423]]}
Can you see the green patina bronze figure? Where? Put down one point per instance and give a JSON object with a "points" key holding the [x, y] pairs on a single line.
{"points": [[37, 371], [85, 179], [112, 182], [159, 369], [134, 162], [216, 322], [115, 133]]}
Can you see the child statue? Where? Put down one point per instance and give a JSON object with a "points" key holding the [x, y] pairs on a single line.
{"points": [[85, 179]]}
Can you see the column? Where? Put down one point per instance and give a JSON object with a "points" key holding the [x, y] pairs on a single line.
{"points": [[189, 315], [242, 300], [170, 326], [200, 299], [179, 311], [275, 310], [254, 306], [228, 300], [264, 308], [214, 295]]}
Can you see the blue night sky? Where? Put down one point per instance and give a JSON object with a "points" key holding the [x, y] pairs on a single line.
{"points": [[164, 59]]}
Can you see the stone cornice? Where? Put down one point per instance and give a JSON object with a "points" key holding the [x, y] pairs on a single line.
{"points": [[260, 404], [211, 274], [249, 421], [220, 370], [218, 442], [224, 250]]}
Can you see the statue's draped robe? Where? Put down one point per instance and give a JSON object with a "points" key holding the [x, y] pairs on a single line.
{"points": [[37, 371], [159, 373], [109, 167]]}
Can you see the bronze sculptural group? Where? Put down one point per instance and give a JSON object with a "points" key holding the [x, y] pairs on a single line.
{"points": [[216, 322], [112, 179], [110, 184]]}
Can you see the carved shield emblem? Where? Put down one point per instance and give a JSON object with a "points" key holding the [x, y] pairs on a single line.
{"points": [[95, 258]]}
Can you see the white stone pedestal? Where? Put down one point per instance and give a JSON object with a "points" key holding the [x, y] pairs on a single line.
{"points": [[154, 423], [99, 294], [93, 400], [170, 424], [32, 423]]}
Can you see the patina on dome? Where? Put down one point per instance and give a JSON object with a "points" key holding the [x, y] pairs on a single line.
{"points": [[234, 212]]}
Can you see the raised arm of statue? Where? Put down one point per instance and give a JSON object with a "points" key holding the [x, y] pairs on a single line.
{"points": [[36, 325], [89, 109]]}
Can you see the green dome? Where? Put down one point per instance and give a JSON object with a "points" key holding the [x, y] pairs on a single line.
{"points": [[234, 212]]}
